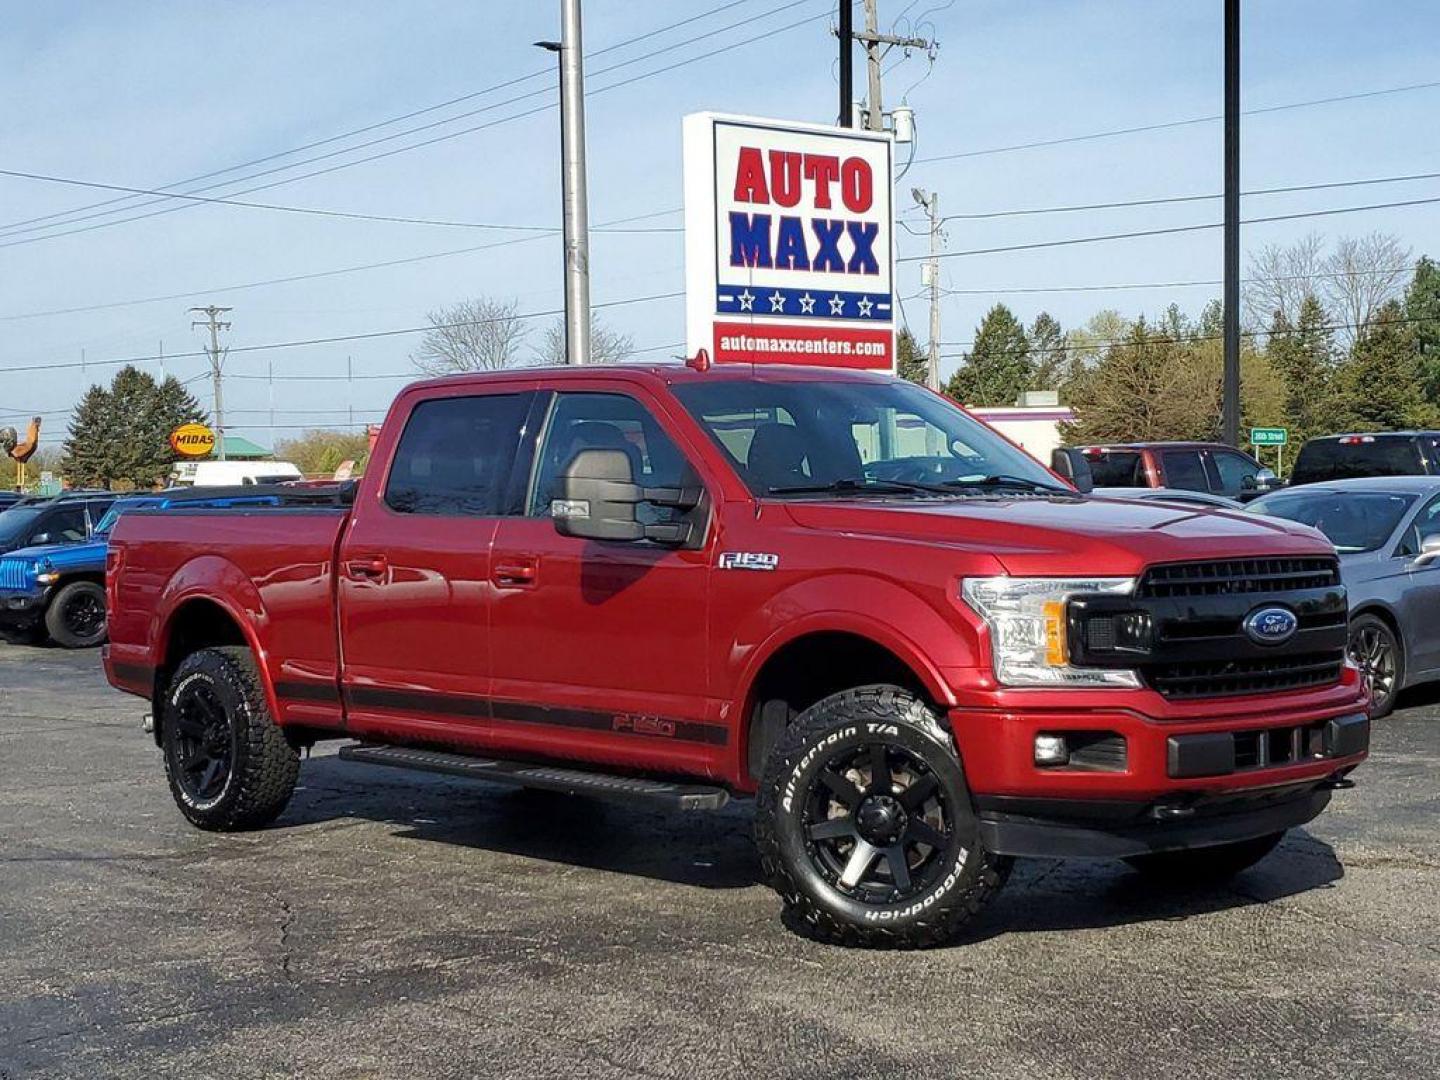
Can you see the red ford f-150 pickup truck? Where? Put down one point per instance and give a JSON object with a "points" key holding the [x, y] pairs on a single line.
{"points": [[922, 653]]}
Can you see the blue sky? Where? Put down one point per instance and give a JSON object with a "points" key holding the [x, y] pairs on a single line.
{"points": [[146, 94]]}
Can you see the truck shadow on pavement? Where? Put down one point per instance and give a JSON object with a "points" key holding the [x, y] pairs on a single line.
{"points": [[714, 850]]}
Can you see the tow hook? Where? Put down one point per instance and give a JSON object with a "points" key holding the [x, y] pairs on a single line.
{"points": [[1170, 811], [1338, 783], [147, 723]]}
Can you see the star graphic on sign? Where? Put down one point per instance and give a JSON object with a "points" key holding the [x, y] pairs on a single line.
{"points": [[865, 305], [807, 304], [747, 301], [837, 305], [777, 301]]}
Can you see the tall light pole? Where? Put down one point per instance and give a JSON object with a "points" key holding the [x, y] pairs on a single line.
{"points": [[572, 176], [931, 204], [217, 360], [1230, 412]]}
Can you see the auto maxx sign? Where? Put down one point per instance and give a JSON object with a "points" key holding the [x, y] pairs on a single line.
{"points": [[789, 243]]}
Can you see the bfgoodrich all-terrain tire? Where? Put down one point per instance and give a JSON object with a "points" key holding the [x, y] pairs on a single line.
{"points": [[1207, 865], [228, 765], [866, 827], [76, 617]]}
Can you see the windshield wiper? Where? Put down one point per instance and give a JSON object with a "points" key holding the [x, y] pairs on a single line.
{"points": [[852, 486], [1004, 480]]}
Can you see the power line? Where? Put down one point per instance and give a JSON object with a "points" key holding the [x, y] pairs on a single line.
{"points": [[1170, 231], [1004, 289], [547, 71], [424, 127], [391, 218], [985, 215], [1199, 338], [368, 336], [317, 274], [1175, 123]]}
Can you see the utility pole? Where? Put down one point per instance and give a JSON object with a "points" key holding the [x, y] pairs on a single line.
{"points": [[1230, 413], [217, 361], [846, 34], [572, 176], [931, 204], [873, 39]]}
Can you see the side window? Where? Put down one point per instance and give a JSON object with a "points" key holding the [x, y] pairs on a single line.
{"points": [[64, 524], [1183, 469], [1425, 526], [587, 421], [455, 456], [1235, 470]]}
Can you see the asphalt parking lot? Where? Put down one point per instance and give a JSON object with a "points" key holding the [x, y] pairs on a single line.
{"points": [[394, 924]]}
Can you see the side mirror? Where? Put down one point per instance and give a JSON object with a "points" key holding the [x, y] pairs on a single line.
{"points": [[1429, 551], [601, 500], [1071, 464]]}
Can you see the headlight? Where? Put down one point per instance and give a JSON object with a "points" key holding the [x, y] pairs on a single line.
{"points": [[1027, 621]]}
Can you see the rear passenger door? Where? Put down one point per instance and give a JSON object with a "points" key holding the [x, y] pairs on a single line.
{"points": [[601, 648], [415, 574], [1420, 601], [1183, 469]]}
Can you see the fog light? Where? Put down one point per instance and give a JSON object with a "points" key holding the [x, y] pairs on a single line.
{"points": [[1051, 750]]}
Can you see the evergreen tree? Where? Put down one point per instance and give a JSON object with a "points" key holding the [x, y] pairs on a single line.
{"points": [[1379, 387], [998, 369], [1303, 356], [1047, 349], [123, 433], [1422, 308], [910, 362]]}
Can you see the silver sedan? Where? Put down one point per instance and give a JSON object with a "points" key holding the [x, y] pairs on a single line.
{"points": [[1387, 532]]}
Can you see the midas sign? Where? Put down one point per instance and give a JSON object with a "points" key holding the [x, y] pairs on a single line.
{"points": [[789, 243], [192, 440]]}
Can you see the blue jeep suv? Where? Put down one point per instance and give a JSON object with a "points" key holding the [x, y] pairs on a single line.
{"points": [[57, 585]]}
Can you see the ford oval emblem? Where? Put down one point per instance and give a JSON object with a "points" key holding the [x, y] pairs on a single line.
{"points": [[1271, 625]]}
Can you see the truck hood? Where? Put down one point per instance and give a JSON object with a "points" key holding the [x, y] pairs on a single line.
{"points": [[1050, 537]]}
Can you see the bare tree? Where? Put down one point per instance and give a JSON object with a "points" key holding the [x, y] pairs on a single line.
{"points": [[1361, 275], [607, 346], [1280, 278], [473, 335]]}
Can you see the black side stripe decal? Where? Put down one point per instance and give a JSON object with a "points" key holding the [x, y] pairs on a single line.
{"points": [[518, 712], [308, 691]]}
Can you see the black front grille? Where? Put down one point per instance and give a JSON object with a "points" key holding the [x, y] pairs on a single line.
{"points": [[1219, 678], [1234, 577]]}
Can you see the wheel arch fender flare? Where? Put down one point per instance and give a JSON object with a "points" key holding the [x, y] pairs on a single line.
{"points": [[215, 581]]}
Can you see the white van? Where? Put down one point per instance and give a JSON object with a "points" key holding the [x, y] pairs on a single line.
{"points": [[232, 473]]}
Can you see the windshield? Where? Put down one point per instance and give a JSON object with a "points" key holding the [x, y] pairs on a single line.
{"points": [[1351, 520], [116, 509], [15, 523], [792, 438]]}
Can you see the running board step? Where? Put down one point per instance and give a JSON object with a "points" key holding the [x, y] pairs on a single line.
{"points": [[664, 793]]}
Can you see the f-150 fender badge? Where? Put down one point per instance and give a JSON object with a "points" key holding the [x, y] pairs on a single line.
{"points": [[748, 560]]}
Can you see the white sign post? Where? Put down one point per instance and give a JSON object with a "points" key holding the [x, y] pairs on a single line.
{"points": [[789, 243]]}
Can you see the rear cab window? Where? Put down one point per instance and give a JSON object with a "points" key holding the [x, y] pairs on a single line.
{"points": [[1117, 468], [1358, 456]]}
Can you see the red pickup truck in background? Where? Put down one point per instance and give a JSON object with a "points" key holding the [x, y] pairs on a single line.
{"points": [[832, 590]]}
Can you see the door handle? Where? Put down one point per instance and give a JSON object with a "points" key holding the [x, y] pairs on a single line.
{"points": [[517, 570], [367, 568]]}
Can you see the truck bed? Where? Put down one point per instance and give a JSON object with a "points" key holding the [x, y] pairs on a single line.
{"points": [[275, 565]]}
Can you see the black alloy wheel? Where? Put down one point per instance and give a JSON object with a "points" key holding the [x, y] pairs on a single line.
{"points": [[204, 742], [877, 823], [76, 616], [1375, 649]]}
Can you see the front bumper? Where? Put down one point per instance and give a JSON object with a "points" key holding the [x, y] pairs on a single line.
{"points": [[23, 608], [1136, 782], [1061, 828]]}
